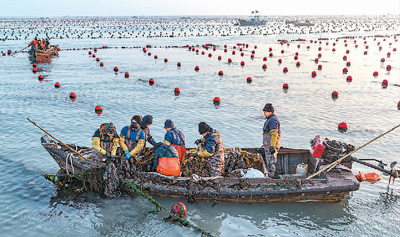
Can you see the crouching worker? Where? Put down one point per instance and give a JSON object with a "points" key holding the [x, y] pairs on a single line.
{"points": [[211, 147], [132, 138], [105, 142], [166, 161], [175, 138]]}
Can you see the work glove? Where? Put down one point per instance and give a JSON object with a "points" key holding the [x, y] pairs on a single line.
{"points": [[198, 142], [108, 155], [272, 149], [127, 154]]}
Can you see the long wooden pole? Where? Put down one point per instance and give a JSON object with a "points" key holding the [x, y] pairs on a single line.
{"points": [[57, 139], [330, 166]]}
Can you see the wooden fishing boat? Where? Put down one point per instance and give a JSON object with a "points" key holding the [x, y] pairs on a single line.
{"points": [[331, 186], [43, 53]]}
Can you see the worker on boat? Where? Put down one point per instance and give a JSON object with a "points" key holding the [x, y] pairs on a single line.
{"points": [[132, 138], [166, 160], [145, 126], [271, 139], [105, 141], [175, 138], [211, 148], [34, 44]]}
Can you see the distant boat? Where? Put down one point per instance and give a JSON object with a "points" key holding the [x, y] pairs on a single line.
{"points": [[298, 23], [254, 20]]}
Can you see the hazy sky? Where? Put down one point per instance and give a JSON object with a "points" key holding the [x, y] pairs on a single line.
{"points": [[48, 8]]}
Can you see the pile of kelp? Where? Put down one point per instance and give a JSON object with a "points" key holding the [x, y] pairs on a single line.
{"points": [[110, 181]]}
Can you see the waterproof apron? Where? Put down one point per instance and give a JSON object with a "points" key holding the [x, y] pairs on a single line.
{"points": [[270, 159], [132, 144], [216, 162]]}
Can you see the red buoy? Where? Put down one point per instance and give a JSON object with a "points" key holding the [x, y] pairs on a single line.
{"points": [[197, 68], [365, 52], [282, 51], [40, 77], [264, 66], [39, 60], [179, 209], [298, 46], [384, 84], [57, 85], [388, 55], [398, 105], [316, 60], [348, 64], [344, 58], [233, 52], [342, 127], [347, 51], [333, 50], [72, 96], [295, 57], [101, 64], [285, 70], [95, 50], [116, 69], [271, 55], [375, 74], [313, 74], [349, 79], [149, 54], [279, 61], [209, 55], [285, 86], [298, 64], [319, 48], [179, 64], [155, 56], [319, 55], [98, 109], [90, 52], [242, 63], [229, 60], [151, 81], [126, 74], [93, 55], [220, 73], [388, 68], [335, 95], [241, 54], [383, 60], [270, 49], [249, 80], [34, 65], [265, 59], [34, 70], [97, 59], [252, 56], [219, 58], [177, 91], [217, 101], [55, 54], [319, 67], [165, 60], [225, 50], [345, 70]]}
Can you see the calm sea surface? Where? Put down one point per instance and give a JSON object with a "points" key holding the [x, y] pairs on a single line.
{"points": [[31, 206]]}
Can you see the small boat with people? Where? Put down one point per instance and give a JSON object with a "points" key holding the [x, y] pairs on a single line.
{"points": [[42, 49], [243, 181]]}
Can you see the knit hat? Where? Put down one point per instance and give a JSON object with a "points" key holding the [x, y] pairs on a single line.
{"points": [[137, 118], [110, 128], [147, 120], [203, 127], [268, 108], [169, 124]]}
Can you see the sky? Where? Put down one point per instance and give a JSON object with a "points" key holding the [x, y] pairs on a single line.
{"points": [[51, 8]]}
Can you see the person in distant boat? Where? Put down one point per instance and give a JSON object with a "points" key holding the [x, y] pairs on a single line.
{"points": [[105, 141], [146, 122], [211, 147], [175, 138], [132, 138], [271, 139]]}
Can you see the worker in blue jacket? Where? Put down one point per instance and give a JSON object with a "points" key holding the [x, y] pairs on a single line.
{"points": [[132, 138], [271, 139], [211, 148]]}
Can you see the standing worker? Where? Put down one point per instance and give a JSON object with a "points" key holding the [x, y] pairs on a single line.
{"points": [[175, 138], [271, 139], [132, 138], [105, 141], [212, 149]]}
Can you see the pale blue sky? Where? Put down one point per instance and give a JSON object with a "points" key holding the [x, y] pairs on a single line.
{"points": [[49, 8]]}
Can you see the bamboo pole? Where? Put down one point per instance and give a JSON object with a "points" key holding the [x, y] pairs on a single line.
{"points": [[333, 164], [57, 139]]}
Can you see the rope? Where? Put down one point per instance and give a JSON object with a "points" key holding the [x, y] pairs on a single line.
{"points": [[333, 164], [69, 157]]}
